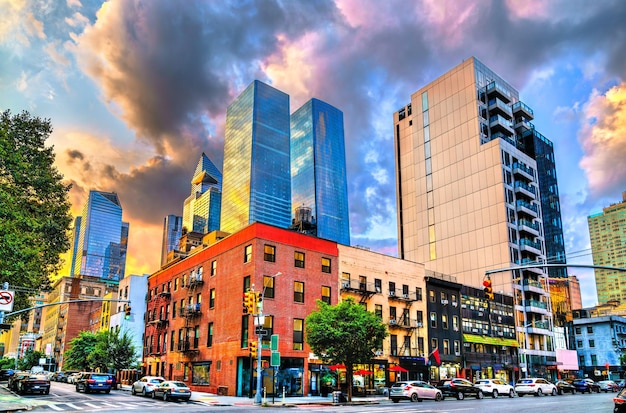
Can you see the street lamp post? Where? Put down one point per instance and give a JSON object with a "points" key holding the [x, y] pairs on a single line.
{"points": [[259, 321]]}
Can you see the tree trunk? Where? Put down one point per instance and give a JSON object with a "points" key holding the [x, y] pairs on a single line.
{"points": [[349, 380]]}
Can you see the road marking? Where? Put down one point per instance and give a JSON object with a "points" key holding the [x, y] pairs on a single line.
{"points": [[53, 407], [73, 406]]}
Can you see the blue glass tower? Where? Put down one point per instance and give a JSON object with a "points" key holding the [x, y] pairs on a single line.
{"points": [[257, 178], [103, 238], [201, 211], [172, 231], [318, 169]]}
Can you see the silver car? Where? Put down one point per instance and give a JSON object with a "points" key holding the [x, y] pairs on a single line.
{"points": [[146, 385], [415, 391]]}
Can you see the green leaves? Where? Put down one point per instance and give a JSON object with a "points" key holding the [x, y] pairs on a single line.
{"points": [[105, 350]]}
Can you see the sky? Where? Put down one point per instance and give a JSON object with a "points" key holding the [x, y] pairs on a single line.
{"points": [[137, 90]]}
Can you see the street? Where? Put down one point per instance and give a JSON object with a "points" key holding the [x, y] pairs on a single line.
{"points": [[64, 398]]}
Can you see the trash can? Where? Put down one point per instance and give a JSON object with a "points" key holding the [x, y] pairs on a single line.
{"points": [[336, 397]]}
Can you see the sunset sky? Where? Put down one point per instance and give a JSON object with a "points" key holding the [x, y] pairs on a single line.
{"points": [[137, 90]]}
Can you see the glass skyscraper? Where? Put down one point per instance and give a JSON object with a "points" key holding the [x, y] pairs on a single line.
{"points": [[201, 211], [172, 231], [103, 238], [257, 177], [318, 169]]}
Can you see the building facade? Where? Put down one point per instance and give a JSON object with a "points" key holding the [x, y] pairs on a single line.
{"points": [[468, 193], [257, 175], [201, 210], [103, 238], [172, 231], [318, 170], [196, 332], [607, 231]]}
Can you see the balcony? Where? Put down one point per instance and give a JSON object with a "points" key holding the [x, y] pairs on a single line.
{"points": [[522, 188], [495, 90], [522, 125], [191, 311], [525, 225], [519, 108], [165, 295], [498, 107], [535, 306], [533, 286], [530, 246], [158, 322], [195, 281], [399, 295], [365, 289], [539, 327], [404, 323], [154, 350], [527, 208], [500, 135], [519, 169], [186, 347], [498, 123]]}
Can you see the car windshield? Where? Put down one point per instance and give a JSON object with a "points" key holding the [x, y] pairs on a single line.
{"points": [[156, 381], [522, 381], [178, 384]]}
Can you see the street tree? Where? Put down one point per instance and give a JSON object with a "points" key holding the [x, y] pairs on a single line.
{"points": [[34, 205], [114, 350], [77, 357], [30, 359], [345, 334]]}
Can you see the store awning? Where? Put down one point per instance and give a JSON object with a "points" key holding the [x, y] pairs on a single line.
{"points": [[496, 341]]}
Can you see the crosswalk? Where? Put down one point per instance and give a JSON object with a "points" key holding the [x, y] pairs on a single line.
{"points": [[98, 405]]}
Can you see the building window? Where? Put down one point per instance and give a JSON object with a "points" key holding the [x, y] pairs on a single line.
{"points": [[269, 326], [420, 318], [589, 329], [444, 296], [247, 253], [393, 345], [455, 322], [246, 283], [433, 320], [209, 338], [446, 346], [453, 298], [298, 291], [200, 373], [392, 315], [172, 340], [213, 268], [176, 284], [269, 253], [212, 298], [592, 343], [378, 285], [431, 296], [457, 347], [433, 344], [392, 288], [196, 336], [326, 265], [268, 285], [578, 330], [418, 293], [298, 334], [298, 259], [174, 309], [594, 360], [579, 344], [581, 360], [362, 283], [444, 321], [326, 294], [244, 331], [378, 311]]}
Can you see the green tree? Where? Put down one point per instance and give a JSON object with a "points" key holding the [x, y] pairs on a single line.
{"points": [[30, 359], [345, 333], [77, 357], [114, 350], [34, 205], [7, 363]]}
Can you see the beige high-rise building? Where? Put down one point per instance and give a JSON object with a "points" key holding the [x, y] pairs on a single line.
{"points": [[607, 231], [468, 195]]}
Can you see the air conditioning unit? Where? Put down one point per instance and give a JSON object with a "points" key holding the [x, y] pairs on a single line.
{"points": [[378, 290], [420, 324], [457, 353], [444, 302], [345, 284], [474, 330], [392, 293], [500, 333], [405, 295], [463, 306], [480, 313], [392, 321], [456, 329], [379, 353], [455, 303]]}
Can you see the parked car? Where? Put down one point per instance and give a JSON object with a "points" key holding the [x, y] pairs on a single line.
{"points": [[535, 386], [172, 390], [586, 386], [563, 386], [619, 402], [5, 374], [71, 378], [495, 387], [415, 391], [621, 383], [33, 383], [15, 378], [459, 388], [145, 385], [89, 382], [608, 386]]}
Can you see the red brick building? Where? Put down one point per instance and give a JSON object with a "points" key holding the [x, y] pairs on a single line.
{"points": [[196, 330]]}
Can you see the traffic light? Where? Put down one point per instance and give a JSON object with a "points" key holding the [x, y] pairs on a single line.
{"points": [[488, 289], [248, 302], [253, 349], [258, 303], [127, 312]]}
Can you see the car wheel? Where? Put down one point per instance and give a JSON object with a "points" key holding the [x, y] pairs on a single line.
{"points": [[539, 393], [153, 395], [77, 389], [494, 394], [47, 391], [87, 389], [460, 396], [395, 400], [553, 392], [132, 391], [511, 393], [143, 392], [107, 391], [165, 398], [414, 397], [573, 391], [480, 395], [520, 395], [438, 397]]}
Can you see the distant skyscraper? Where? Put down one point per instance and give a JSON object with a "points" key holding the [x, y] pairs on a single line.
{"points": [[257, 177], [469, 184], [103, 239], [172, 231], [318, 169], [75, 238], [201, 211], [607, 231]]}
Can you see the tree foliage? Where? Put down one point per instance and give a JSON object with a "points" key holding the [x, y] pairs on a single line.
{"points": [[34, 205], [30, 359], [104, 351], [344, 334]]}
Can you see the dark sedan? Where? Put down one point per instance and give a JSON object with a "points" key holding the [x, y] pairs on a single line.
{"points": [[563, 386], [586, 386], [33, 383], [5, 374], [459, 388], [14, 379], [620, 402]]}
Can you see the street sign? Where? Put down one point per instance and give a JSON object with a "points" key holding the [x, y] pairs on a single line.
{"points": [[275, 359], [258, 330], [274, 345], [6, 300]]}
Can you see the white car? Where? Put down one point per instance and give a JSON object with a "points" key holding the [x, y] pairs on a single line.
{"points": [[415, 391], [71, 379], [146, 385], [495, 387], [534, 386]]}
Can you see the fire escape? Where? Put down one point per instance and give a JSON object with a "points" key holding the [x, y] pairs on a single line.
{"points": [[404, 321], [158, 322], [359, 287], [188, 346]]}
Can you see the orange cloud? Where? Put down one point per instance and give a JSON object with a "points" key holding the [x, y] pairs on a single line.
{"points": [[603, 139]]}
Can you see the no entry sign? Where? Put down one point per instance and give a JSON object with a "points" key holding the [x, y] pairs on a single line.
{"points": [[6, 300]]}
